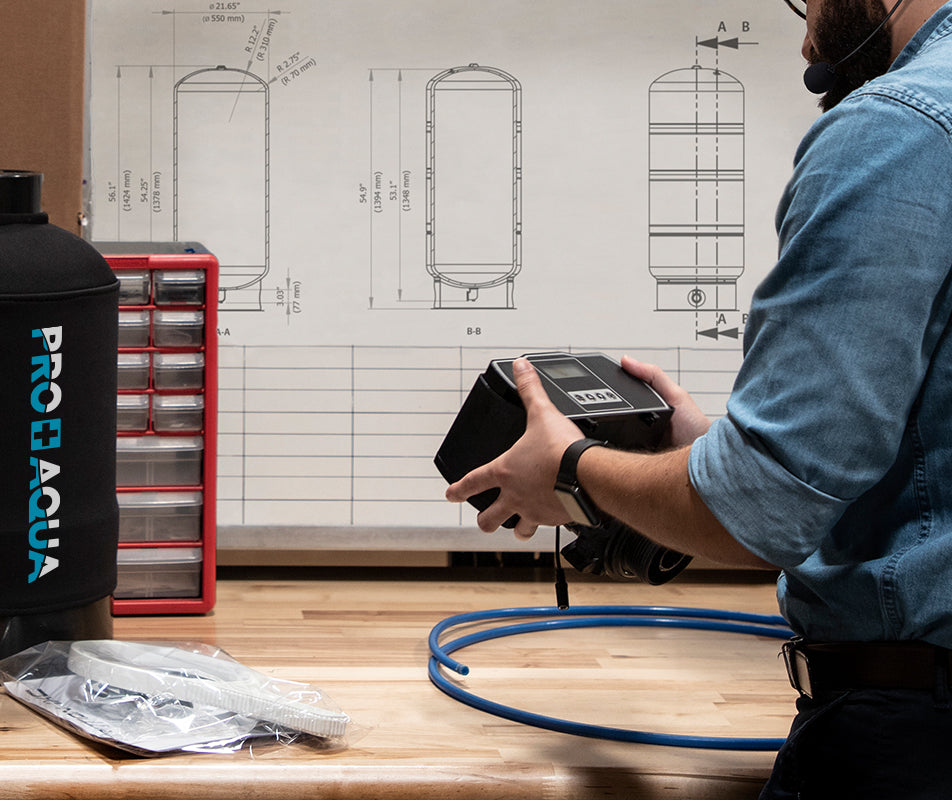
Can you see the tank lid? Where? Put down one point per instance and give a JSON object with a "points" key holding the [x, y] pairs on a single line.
{"points": [[20, 191]]}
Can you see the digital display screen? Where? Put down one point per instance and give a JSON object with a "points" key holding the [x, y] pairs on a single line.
{"points": [[558, 370]]}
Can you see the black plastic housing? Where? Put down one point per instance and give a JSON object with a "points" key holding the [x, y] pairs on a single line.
{"points": [[626, 413]]}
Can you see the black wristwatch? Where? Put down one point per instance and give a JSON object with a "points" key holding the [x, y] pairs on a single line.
{"points": [[576, 502]]}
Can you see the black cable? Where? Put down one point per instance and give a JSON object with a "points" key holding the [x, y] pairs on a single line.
{"points": [[561, 585]]}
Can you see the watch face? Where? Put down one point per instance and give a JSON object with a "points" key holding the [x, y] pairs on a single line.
{"points": [[575, 505]]}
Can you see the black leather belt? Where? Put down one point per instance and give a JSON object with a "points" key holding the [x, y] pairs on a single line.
{"points": [[818, 668]]}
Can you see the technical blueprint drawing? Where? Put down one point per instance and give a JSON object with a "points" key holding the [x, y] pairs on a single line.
{"points": [[400, 190]]}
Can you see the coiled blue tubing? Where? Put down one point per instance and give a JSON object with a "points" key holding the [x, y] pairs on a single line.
{"points": [[551, 618]]}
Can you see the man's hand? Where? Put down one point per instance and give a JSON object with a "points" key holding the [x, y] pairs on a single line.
{"points": [[688, 421], [525, 474]]}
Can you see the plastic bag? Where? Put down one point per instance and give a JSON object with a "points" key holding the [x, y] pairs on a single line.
{"points": [[157, 698]]}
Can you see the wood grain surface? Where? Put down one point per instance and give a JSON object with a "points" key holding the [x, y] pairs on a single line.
{"points": [[361, 638]]}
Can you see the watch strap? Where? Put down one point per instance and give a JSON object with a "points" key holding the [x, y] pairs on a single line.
{"points": [[569, 464], [567, 488]]}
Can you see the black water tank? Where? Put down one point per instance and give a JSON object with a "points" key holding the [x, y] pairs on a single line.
{"points": [[58, 511]]}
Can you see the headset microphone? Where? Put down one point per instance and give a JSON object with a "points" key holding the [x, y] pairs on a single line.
{"points": [[820, 78]]}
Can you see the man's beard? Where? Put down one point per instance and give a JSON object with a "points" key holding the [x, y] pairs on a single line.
{"points": [[839, 29]]}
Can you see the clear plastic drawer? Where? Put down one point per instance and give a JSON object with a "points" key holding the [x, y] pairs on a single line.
{"points": [[178, 328], [133, 328], [132, 412], [178, 371], [159, 572], [133, 287], [133, 371], [172, 413], [179, 287], [159, 460], [160, 516]]}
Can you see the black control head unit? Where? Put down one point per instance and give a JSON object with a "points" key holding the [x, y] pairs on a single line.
{"points": [[590, 389], [606, 403]]}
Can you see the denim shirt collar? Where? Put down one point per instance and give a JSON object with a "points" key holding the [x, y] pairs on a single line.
{"points": [[938, 25]]}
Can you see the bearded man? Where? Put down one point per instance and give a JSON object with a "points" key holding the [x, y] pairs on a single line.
{"points": [[833, 462]]}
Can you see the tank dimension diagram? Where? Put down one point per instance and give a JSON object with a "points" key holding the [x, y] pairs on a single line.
{"points": [[191, 149], [444, 198], [697, 186]]}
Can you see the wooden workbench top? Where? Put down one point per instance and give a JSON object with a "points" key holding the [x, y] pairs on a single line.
{"points": [[362, 639]]}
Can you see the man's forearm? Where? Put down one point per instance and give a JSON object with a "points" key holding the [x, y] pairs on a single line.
{"points": [[652, 493]]}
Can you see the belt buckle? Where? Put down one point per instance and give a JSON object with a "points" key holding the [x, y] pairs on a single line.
{"points": [[798, 667]]}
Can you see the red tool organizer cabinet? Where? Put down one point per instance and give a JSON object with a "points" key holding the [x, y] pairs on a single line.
{"points": [[166, 426]]}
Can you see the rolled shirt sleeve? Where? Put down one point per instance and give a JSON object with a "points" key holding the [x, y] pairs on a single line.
{"points": [[841, 332], [768, 510]]}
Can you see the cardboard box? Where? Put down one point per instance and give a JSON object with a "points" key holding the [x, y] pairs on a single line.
{"points": [[42, 98]]}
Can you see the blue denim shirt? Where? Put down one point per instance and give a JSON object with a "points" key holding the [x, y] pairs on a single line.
{"points": [[834, 460]]}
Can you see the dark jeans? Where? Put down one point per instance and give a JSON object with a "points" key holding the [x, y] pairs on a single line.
{"points": [[869, 744]]}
